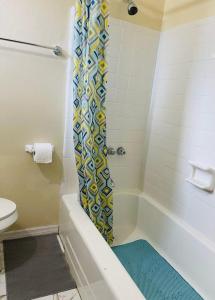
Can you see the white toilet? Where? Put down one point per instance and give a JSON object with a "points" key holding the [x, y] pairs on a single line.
{"points": [[8, 214]]}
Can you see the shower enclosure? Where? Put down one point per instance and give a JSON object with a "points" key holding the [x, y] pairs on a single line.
{"points": [[149, 90]]}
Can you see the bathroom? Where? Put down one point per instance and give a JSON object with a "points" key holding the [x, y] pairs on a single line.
{"points": [[159, 184]]}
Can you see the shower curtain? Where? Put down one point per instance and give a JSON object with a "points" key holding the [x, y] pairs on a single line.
{"points": [[90, 71]]}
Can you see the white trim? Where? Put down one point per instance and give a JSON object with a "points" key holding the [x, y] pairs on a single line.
{"points": [[60, 243], [34, 231]]}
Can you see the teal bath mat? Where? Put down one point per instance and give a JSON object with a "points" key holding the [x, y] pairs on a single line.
{"points": [[156, 279]]}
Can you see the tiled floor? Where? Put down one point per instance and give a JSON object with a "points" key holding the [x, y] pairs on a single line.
{"points": [[67, 295]]}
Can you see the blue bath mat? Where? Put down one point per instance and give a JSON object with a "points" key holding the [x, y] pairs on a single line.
{"points": [[156, 279]]}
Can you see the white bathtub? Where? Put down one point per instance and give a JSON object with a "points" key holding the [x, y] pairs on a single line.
{"points": [[97, 271]]}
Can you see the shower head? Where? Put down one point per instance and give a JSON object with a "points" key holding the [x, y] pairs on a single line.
{"points": [[132, 8]]}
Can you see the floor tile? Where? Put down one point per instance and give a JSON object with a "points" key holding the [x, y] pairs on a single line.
{"points": [[2, 285], [69, 295], [51, 297]]}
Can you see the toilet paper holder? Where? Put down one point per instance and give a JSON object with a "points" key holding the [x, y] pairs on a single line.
{"points": [[30, 148]]}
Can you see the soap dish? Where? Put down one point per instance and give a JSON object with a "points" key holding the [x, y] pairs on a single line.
{"points": [[203, 177]]}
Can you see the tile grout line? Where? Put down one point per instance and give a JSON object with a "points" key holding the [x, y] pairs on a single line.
{"points": [[66, 295]]}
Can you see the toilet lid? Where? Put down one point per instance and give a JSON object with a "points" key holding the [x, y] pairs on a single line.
{"points": [[7, 208]]}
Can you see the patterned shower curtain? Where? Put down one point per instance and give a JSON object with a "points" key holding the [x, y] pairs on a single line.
{"points": [[90, 71]]}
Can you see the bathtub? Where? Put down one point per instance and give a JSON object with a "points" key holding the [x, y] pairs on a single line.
{"points": [[99, 274]]}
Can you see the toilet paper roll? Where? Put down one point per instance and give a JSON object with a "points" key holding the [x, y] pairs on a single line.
{"points": [[43, 153]]}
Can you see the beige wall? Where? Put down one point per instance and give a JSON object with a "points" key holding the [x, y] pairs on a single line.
{"points": [[164, 14], [32, 99], [184, 11], [150, 12], [32, 92]]}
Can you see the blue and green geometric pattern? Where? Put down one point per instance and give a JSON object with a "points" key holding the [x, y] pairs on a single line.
{"points": [[90, 71], [156, 279]]}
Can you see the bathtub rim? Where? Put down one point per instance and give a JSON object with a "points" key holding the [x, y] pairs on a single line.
{"points": [[113, 272], [196, 234], [208, 247], [175, 219]]}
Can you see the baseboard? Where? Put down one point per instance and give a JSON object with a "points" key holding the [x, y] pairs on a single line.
{"points": [[35, 231]]}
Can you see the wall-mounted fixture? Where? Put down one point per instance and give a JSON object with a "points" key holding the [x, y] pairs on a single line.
{"points": [[121, 151], [56, 50], [203, 177], [111, 151], [132, 8], [42, 152]]}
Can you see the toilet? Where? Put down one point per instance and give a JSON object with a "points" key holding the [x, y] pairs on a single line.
{"points": [[8, 214]]}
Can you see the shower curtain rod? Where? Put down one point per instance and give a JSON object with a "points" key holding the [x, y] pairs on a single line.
{"points": [[56, 50]]}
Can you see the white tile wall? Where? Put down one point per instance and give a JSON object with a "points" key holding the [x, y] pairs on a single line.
{"points": [[132, 57], [183, 122]]}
